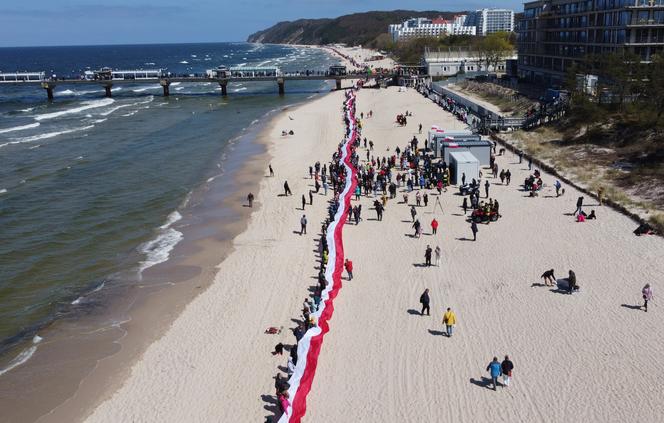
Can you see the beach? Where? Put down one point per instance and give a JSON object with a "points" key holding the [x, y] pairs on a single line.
{"points": [[591, 355]]}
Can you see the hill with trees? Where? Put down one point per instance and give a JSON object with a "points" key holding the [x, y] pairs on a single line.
{"points": [[354, 29]]}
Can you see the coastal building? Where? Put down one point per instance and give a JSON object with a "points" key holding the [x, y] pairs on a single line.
{"points": [[554, 34], [425, 28], [488, 21], [451, 62]]}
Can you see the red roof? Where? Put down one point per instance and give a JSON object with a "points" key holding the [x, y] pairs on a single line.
{"points": [[440, 20]]}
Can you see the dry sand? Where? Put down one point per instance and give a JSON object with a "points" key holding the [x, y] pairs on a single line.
{"points": [[581, 357], [361, 55]]}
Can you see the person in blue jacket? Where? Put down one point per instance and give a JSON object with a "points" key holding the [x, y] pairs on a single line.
{"points": [[494, 369]]}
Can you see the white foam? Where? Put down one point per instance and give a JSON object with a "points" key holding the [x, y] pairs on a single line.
{"points": [[130, 113], [172, 218], [116, 108], [23, 356], [29, 109], [100, 120], [158, 250], [20, 128], [3, 191], [35, 146], [45, 136], [87, 105], [150, 63], [239, 89], [67, 92], [175, 84], [82, 297], [184, 62]]}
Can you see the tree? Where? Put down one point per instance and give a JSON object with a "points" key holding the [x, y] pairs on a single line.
{"points": [[655, 86], [495, 48]]}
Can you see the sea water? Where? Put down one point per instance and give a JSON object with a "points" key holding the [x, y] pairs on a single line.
{"points": [[92, 188]]}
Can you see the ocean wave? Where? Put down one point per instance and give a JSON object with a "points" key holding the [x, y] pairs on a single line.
{"points": [[82, 297], [158, 250], [172, 218], [184, 62], [150, 63], [86, 106], [122, 106], [20, 128], [174, 84], [67, 92], [35, 146], [3, 191], [239, 89], [130, 113], [23, 356], [45, 136], [29, 109]]}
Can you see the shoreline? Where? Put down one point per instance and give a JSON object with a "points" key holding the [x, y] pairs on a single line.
{"points": [[229, 288], [164, 290]]}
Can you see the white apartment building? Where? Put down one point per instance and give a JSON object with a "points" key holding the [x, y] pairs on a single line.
{"points": [[489, 21], [425, 27]]}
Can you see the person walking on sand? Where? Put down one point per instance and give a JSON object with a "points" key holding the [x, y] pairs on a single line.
{"points": [[434, 226], [311, 197], [494, 370], [549, 278], [579, 206], [425, 300], [287, 190], [463, 178], [506, 368], [427, 256], [647, 294], [304, 201], [437, 253], [600, 195], [486, 188], [413, 212], [449, 320], [250, 199], [303, 225], [465, 205], [416, 226], [508, 176], [420, 128], [473, 227], [349, 268], [270, 168], [557, 185]]}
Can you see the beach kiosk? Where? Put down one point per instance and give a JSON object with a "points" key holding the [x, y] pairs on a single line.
{"points": [[479, 148], [437, 135], [463, 162]]}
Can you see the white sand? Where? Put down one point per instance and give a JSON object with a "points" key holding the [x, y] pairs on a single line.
{"points": [[362, 55], [578, 358]]}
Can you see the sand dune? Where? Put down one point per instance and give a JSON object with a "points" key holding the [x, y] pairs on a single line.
{"points": [[590, 356]]}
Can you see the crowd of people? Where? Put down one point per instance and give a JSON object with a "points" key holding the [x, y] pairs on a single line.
{"points": [[335, 176]]}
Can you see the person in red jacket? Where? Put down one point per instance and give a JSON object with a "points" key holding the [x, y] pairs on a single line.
{"points": [[349, 269], [434, 225]]}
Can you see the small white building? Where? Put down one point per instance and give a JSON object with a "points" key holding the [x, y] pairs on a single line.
{"points": [[463, 162], [451, 62]]}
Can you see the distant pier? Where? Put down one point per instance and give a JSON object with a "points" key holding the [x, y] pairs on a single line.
{"points": [[50, 84]]}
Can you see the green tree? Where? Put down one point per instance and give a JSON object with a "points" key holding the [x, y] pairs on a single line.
{"points": [[655, 85]]}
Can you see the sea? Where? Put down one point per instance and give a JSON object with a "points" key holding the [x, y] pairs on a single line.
{"points": [[93, 189]]}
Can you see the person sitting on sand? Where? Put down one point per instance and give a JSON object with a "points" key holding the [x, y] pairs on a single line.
{"points": [[549, 278], [581, 217], [592, 215]]}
